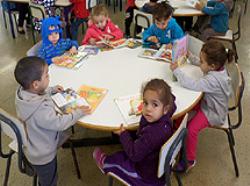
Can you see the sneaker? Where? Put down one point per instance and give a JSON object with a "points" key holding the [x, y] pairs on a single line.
{"points": [[182, 168], [99, 156]]}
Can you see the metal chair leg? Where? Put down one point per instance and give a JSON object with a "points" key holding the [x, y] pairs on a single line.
{"points": [[72, 130], [75, 160], [110, 181], [232, 136], [233, 153], [35, 180], [4, 18], [7, 171], [178, 178]]}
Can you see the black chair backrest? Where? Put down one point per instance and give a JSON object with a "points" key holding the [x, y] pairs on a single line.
{"points": [[237, 34]]}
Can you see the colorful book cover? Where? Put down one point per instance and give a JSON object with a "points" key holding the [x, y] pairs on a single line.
{"points": [[92, 95], [134, 43], [90, 50], [105, 45], [70, 61], [163, 53], [68, 100], [179, 51], [130, 108]]}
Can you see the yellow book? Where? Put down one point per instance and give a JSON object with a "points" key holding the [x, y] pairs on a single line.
{"points": [[92, 95]]}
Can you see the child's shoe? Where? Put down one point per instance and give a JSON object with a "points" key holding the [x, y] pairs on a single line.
{"points": [[99, 156], [181, 166]]}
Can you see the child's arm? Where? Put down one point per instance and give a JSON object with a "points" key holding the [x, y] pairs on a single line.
{"points": [[115, 31], [148, 33], [91, 34], [195, 60], [203, 84], [43, 54], [216, 10]]}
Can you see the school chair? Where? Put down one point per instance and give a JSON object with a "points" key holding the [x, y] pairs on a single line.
{"points": [[143, 20], [12, 127], [238, 85], [37, 12], [33, 51], [231, 36], [167, 156], [246, 3], [9, 7]]}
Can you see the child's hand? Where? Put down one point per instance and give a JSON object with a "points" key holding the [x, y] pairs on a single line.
{"points": [[153, 39], [173, 66], [120, 130], [85, 109], [107, 36], [58, 88], [198, 6], [73, 50], [92, 41], [169, 46]]}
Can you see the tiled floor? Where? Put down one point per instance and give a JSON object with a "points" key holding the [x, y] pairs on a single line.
{"points": [[214, 165]]}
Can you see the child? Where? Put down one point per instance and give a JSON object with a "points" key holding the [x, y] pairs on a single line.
{"points": [[43, 124], [165, 29], [137, 164], [150, 7], [129, 14], [218, 25], [81, 15], [101, 27], [215, 84], [53, 45]]}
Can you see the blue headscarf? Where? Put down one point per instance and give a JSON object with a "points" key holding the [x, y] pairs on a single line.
{"points": [[49, 22]]}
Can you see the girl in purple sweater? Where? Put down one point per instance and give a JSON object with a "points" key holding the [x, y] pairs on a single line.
{"points": [[137, 164]]}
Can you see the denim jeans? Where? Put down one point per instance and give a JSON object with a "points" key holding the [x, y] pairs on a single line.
{"points": [[74, 27]]}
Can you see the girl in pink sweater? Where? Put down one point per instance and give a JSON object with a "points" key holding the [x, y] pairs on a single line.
{"points": [[101, 27]]}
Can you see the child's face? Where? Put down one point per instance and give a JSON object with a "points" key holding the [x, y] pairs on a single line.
{"points": [[42, 85], [100, 21], [153, 108], [54, 36], [205, 67], [162, 24]]}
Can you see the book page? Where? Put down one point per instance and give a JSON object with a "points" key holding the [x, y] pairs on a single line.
{"points": [[92, 95], [130, 108], [179, 51]]}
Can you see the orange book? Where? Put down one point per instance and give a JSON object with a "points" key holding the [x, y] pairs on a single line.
{"points": [[92, 95]]}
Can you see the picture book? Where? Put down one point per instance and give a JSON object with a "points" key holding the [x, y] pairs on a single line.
{"points": [[163, 53], [92, 95], [130, 108], [70, 61], [179, 50], [68, 100], [105, 45], [134, 43], [89, 49]]}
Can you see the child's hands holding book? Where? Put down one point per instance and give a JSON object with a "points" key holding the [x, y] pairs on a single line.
{"points": [[58, 88], [120, 130], [107, 37], [173, 66], [85, 109], [92, 41], [153, 39], [73, 50], [198, 6]]}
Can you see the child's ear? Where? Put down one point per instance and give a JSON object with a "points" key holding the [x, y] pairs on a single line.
{"points": [[166, 109], [35, 85], [213, 67]]}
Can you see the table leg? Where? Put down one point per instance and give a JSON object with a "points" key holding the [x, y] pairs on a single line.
{"points": [[11, 22]]}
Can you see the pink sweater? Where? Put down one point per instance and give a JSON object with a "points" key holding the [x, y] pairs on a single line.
{"points": [[94, 32]]}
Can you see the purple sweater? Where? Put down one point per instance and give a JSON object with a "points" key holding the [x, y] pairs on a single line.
{"points": [[144, 149]]}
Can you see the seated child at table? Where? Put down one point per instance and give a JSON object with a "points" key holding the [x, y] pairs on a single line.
{"points": [[137, 164], [215, 84], [165, 29], [149, 7], [81, 15], [53, 45], [218, 12], [44, 125], [101, 27]]}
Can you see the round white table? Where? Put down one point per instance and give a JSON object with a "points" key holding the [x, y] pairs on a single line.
{"points": [[122, 72], [180, 6]]}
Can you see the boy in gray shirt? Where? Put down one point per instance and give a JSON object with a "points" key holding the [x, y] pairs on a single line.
{"points": [[43, 124]]}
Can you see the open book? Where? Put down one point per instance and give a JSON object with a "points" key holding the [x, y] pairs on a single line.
{"points": [[89, 49], [68, 100], [163, 53], [92, 95], [70, 61], [104, 45], [130, 108], [179, 50]]}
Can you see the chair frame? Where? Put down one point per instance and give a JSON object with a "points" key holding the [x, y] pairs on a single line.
{"points": [[231, 127], [136, 17], [21, 157]]}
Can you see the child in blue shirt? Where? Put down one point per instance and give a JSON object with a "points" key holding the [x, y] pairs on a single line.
{"points": [[53, 45], [165, 29], [218, 10]]}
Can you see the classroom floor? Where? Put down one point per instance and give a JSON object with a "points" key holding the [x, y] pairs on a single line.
{"points": [[214, 163]]}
